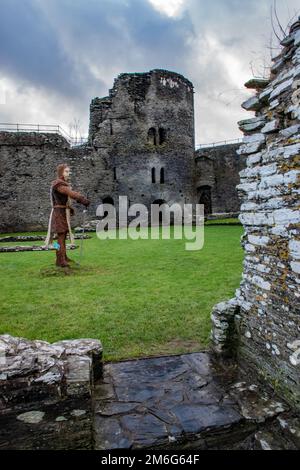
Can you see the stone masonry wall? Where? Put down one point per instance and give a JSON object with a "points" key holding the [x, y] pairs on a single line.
{"points": [[27, 161], [146, 124], [28, 165], [218, 169], [141, 145], [267, 304], [46, 393]]}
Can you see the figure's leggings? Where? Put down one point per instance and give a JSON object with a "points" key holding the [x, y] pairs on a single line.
{"points": [[61, 239]]}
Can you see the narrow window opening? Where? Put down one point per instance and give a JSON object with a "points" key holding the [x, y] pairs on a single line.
{"points": [[153, 175], [162, 175], [152, 136], [162, 135]]}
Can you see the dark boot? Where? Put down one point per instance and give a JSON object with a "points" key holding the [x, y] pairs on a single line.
{"points": [[64, 249], [66, 256], [60, 261]]}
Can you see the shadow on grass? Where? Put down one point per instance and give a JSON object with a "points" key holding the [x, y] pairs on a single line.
{"points": [[73, 270]]}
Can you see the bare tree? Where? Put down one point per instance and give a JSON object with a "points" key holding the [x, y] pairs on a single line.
{"points": [[260, 66], [277, 27]]}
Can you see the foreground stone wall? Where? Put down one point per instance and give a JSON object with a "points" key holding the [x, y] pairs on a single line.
{"points": [[59, 397], [266, 308], [46, 393]]}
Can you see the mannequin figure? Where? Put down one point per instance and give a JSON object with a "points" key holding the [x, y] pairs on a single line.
{"points": [[61, 194]]}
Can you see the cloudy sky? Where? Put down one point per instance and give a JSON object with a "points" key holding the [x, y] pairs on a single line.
{"points": [[55, 55]]}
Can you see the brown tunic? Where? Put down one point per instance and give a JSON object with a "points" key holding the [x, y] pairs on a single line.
{"points": [[60, 192]]}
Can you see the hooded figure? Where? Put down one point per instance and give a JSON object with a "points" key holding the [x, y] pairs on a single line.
{"points": [[59, 222]]}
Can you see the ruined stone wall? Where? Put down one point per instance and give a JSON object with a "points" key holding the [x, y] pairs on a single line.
{"points": [[46, 393], [28, 165], [217, 169], [28, 161], [141, 145], [268, 298], [146, 125]]}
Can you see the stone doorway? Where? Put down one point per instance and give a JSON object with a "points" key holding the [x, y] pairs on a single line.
{"points": [[159, 202], [205, 198]]}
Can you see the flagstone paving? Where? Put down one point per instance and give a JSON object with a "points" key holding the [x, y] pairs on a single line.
{"points": [[184, 402]]}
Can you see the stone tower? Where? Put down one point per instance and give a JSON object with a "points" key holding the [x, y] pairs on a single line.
{"points": [[145, 131]]}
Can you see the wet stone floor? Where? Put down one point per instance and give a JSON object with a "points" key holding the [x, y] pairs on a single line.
{"points": [[186, 402]]}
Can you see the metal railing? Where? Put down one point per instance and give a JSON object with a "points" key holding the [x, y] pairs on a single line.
{"points": [[73, 141], [43, 128], [220, 142]]}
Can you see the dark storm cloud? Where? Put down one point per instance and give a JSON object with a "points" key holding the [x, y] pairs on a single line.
{"points": [[57, 44], [29, 49], [128, 34], [71, 50]]}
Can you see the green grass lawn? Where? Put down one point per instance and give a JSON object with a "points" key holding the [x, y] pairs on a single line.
{"points": [[139, 297]]}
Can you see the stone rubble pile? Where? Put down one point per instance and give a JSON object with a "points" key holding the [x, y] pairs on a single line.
{"points": [[32, 238], [17, 248], [89, 226]]}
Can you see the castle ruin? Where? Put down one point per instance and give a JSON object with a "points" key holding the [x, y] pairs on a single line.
{"points": [[259, 327], [141, 145]]}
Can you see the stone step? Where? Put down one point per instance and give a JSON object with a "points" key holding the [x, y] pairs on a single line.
{"points": [[178, 402]]}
